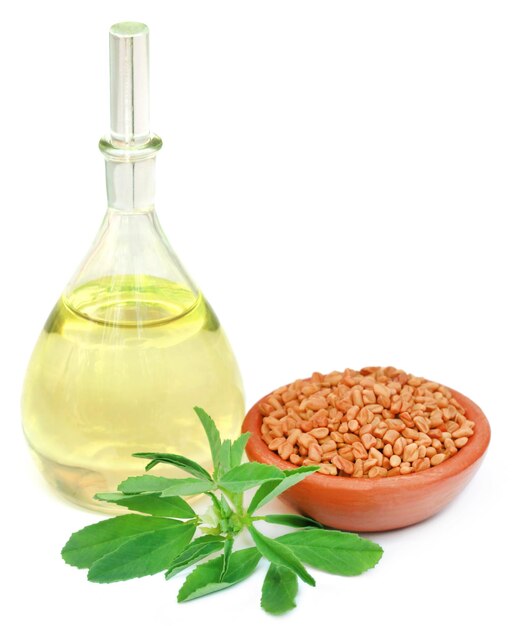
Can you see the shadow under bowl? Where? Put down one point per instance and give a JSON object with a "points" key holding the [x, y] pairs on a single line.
{"points": [[377, 504]]}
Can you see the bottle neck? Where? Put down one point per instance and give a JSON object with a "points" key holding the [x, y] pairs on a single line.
{"points": [[130, 174], [131, 186]]}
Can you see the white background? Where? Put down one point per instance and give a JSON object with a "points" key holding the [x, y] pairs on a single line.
{"points": [[336, 178]]}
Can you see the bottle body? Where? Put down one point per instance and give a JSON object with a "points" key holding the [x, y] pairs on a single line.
{"points": [[118, 368], [132, 345]]}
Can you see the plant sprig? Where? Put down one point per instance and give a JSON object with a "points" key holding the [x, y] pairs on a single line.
{"points": [[159, 535]]}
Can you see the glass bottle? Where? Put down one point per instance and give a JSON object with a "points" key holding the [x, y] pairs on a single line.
{"points": [[132, 345]]}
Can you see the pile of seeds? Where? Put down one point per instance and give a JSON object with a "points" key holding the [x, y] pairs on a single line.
{"points": [[370, 423]]}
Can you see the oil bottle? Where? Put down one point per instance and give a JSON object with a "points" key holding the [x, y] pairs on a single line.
{"points": [[132, 345]]}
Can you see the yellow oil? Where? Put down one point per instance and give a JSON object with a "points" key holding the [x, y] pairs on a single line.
{"points": [[117, 369]]}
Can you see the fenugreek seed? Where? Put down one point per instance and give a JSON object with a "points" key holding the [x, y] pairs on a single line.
{"points": [[368, 440], [352, 413], [395, 424], [452, 426], [275, 443], [319, 433], [357, 398], [431, 451], [316, 402], [358, 468], [377, 472], [336, 436], [353, 425], [367, 428], [421, 424], [461, 442], [359, 450], [395, 460], [410, 433], [350, 438], [450, 447], [375, 408], [295, 459], [294, 435], [369, 464], [436, 418], [406, 470], [465, 431], [407, 419], [399, 445], [327, 469], [410, 452], [306, 440], [388, 450], [369, 397], [285, 450], [315, 452], [274, 401], [390, 436], [437, 458], [394, 471], [328, 446]]}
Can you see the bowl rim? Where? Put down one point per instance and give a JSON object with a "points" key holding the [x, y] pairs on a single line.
{"points": [[458, 463]]}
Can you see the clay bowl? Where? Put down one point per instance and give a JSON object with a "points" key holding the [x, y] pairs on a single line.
{"points": [[377, 504]]}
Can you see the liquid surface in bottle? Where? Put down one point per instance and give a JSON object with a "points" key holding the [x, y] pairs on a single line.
{"points": [[118, 368]]}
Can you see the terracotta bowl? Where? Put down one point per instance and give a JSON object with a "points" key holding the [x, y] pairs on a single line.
{"points": [[377, 504]]}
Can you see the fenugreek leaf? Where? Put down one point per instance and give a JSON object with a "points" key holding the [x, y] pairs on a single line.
{"points": [[270, 490], [205, 578], [297, 521], [143, 555], [274, 552], [333, 551], [187, 465], [212, 434], [197, 550], [249, 475], [228, 549], [237, 449], [152, 503], [224, 457], [143, 484], [279, 590], [96, 540], [187, 486]]}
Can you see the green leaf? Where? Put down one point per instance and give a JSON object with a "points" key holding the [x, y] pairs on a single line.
{"points": [[205, 578], [224, 457], [177, 460], [270, 490], [213, 435], [196, 551], [237, 449], [144, 484], [228, 549], [333, 551], [92, 542], [285, 519], [144, 555], [187, 486], [273, 552], [249, 475], [152, 503], [279, 590]]}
